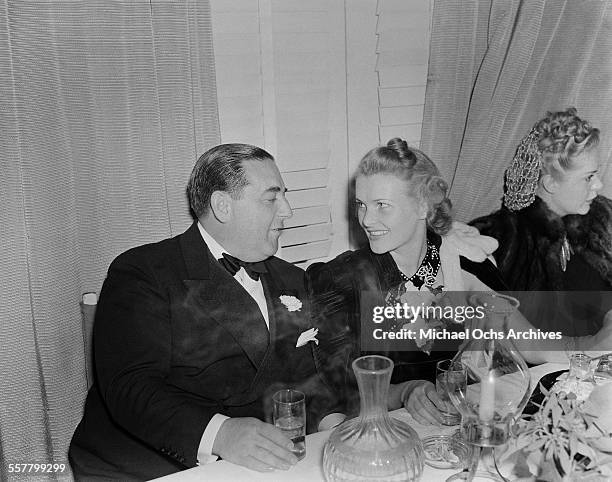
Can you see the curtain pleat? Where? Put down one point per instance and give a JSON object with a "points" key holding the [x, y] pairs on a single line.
{"points": [[186, 97], [530, 57], [105, 108], [509, 59], [457, 46], [21, 383]]}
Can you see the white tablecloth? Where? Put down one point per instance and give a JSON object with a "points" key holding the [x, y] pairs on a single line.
{"points": [[310, 468]]}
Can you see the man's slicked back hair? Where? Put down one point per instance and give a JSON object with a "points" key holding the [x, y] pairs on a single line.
{"points": [[221, 169]]}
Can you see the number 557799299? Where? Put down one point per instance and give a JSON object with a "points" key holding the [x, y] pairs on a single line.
{"points": [[30, 467]]}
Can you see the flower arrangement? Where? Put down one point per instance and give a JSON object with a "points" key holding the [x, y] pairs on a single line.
{"points": [[567, 439]]}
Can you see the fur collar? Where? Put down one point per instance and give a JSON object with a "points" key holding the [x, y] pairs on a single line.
{"points": [[542, 220], [591, 235], [530, 242], [592, 231]]}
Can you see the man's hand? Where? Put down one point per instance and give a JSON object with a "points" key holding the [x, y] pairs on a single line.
{"points": [[424, 404], [254, 444]]}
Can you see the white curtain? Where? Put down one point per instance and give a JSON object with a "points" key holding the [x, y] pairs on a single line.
{"points": [[104, 108], [495, 68]]}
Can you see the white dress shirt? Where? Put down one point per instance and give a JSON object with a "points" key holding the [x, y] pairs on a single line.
{"points": [[253, 288]]}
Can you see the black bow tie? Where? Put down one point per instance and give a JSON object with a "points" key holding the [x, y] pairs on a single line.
{"points": [[233, 265]]}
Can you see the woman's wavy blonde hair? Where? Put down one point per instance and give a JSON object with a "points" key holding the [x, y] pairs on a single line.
{"points": [[423, 179], [563, 137]]}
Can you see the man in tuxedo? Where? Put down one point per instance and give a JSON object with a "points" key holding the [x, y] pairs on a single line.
{"points": [[191, 335]]}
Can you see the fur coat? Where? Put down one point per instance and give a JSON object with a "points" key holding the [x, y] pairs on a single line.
{"points": [[530, 244]]}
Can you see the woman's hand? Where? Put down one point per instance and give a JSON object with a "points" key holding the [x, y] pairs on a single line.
{"points": [[423, 403]]}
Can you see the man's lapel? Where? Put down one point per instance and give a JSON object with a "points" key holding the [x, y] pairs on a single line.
{"points": [[222, 298], [298, 363], [285, 325]]}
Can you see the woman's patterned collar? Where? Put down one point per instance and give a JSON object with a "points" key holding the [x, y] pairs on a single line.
{"points": [[391, 275], [427, 272]]}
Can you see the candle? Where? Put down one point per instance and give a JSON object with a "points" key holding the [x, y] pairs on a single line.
{"points": [[486, 410]]}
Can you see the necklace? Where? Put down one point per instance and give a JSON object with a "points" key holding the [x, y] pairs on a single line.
{"points": [[428, 270]]}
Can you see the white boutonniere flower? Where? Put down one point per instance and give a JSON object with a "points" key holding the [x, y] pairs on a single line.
{"points": [[291, 302], [307, 336]]}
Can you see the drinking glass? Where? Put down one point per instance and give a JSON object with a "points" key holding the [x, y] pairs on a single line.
{"points": [[450, 377], [581, 367], [603, 373], [289, 415]]}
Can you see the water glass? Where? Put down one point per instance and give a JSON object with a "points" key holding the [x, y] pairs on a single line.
{"points": [[603, 372], [289, 415], [450, 377], [581, 367]]}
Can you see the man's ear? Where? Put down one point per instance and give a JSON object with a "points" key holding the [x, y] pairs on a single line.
{"points": [[221, 206], [549, 183]]}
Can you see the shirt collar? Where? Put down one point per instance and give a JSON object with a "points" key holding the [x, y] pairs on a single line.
{"points": [[215, 248]]}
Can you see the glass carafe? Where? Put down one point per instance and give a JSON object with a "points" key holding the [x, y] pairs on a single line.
{"points": [[373, 446]]}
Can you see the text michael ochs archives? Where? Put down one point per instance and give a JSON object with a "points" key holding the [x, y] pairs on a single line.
{"points": [[423, 323]]}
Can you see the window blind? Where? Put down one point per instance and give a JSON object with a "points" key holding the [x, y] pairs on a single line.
{"points": [[276, 61], [402, 52]]}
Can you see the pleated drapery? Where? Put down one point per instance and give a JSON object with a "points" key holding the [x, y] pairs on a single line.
{"points": [[495, 68], [104, 108]]}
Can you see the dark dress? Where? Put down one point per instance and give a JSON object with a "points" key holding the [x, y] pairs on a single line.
{"points": [[349, 285], [575, 300]]}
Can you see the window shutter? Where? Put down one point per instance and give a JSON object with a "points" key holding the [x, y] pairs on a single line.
{"points": [[302, 60], [402, 55], [277, 75], [236, 40]]}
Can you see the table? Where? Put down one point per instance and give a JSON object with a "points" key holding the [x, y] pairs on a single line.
{"points": [[310, 469]]}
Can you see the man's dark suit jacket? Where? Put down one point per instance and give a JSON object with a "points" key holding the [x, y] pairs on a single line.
{"points": [[176, 340]]}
